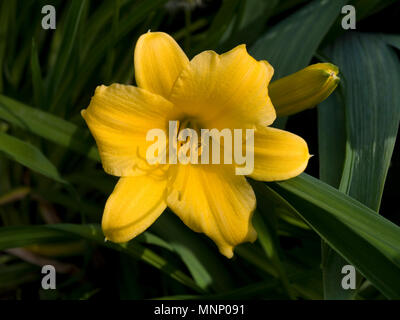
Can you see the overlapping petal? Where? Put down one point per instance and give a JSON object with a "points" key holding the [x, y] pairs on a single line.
{"points": [[278, 154], [134, 205], [213, 200], [158, 62], [119, 117], [225, 91]]}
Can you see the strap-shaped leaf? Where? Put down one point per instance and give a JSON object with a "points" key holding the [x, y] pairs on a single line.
{"points": [[371, 80], [29, 156], [46, 125], [371, 73], [11, 237], [367, 240], [290, 45]]}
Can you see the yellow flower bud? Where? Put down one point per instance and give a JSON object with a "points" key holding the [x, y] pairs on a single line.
{"points": [[303, 89]]}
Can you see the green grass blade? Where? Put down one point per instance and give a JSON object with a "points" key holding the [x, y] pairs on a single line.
{"points": [[127, 23], [251, 291], [368, 241], [68, 42], [14, 195], [21, 236], [134, 249], [331, 139], [15, 275], [204, 264], [368, 67], [29, 156], [266, 226], [219, 25], [111, 50], [332, 145], [46, 125], [37, 81], [392, 39], [290, 45], [6, 9], [371, 73], [12, 237], [287, 5]]}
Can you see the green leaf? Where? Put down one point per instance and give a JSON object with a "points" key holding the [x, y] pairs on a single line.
{"points": [[392, 39], [368, 241], [372, 115], [29, 156], [371, 73], [13, 276], [113, 35], [251, 291], [249, 22], [331, 139], [266, 226], [218, 26], [100, 18], [286, 5], [87, 208], [132, 248], [68, 37], [203, 263], [46, 125], [6, 10], [255, 291], [150, 238], [14, 195], [12, 237], [332, 145], [37, 81], [255, 256], [94, 56], [290, 45], [21, 236]]}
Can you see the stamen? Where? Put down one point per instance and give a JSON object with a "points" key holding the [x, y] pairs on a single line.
{"points": [[150, 169], [189, 124]]}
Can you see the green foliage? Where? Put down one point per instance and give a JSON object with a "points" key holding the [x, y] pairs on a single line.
{"points": [[53, 189], [371, 119]]}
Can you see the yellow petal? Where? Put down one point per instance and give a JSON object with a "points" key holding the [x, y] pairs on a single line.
{"points": [[158, 62], [134, 205], [303, 89], [213, 200], [225, 91], [119, 118], [278, 154]]}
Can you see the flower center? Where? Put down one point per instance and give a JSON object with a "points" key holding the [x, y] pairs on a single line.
{"points": [[189, 138]]}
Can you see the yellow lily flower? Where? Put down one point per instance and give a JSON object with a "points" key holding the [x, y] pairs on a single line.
{"points": [[209, 91]]}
